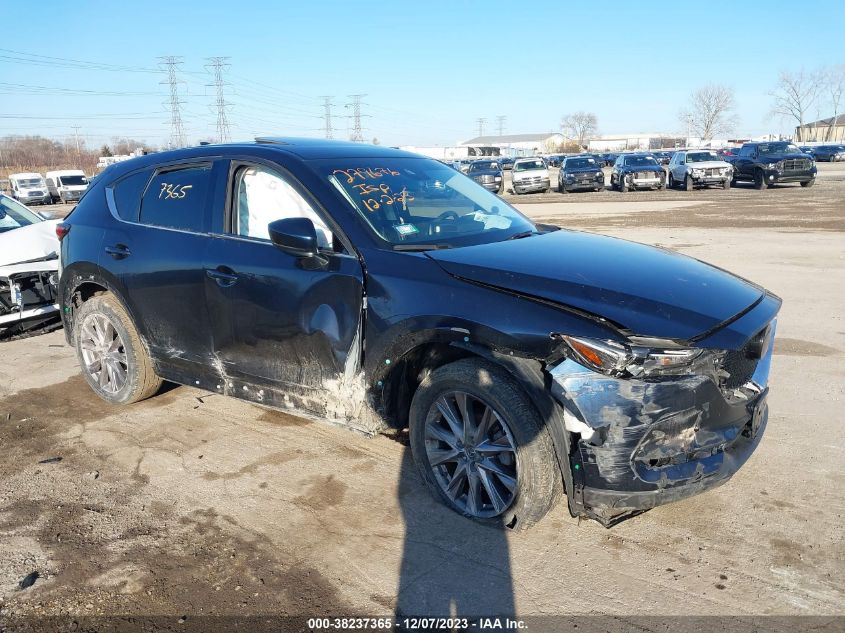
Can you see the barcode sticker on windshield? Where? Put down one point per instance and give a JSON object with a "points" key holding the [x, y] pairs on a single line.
{"points": [[406, 229]]}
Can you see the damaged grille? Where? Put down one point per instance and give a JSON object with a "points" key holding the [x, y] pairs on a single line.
{"points": [[28, 291]]}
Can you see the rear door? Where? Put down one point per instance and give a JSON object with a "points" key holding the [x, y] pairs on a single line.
{"points": [[277, 319], [157, 252]]}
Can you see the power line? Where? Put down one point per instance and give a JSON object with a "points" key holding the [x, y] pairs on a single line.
{"points": [[500, 121], [357, 132], [218, 64], [327, 116], [481, 122], [177, 134]]}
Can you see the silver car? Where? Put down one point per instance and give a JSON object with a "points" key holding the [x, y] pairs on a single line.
{"points": [[697, 168], [530, 175]]}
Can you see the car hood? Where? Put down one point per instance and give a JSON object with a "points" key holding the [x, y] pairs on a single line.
{"points": [[656, 168], [709, 164], [583, 170], [647, 291], [29, 243], [530, 173]]}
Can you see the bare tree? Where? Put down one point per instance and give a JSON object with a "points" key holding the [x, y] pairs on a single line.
{"points": [[710, 111], [794, 94], [833, 84], [580, 125]]}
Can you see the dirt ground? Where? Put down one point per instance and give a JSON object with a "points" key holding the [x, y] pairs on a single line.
{"points": [[193, 504]]}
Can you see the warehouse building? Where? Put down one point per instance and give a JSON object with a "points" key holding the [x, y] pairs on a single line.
{"points": [[518, 144], [830, 130]]}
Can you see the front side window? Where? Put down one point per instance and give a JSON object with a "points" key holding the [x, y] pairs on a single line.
{"points": [[421, 201], [264, 196], [176, 198], [14, 215]]}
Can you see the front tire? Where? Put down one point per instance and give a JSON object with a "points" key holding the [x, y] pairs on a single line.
{"points": [[726, 184], [481, 446], [671, 181], [688, 184], [760, 180], [114, 361], [808, 183]]}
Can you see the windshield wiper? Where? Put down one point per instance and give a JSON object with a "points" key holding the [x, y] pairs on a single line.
{"points": [[519, 236], [420, 247]]}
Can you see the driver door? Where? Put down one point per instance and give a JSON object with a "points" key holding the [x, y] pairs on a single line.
{"points": [[279, 320]]}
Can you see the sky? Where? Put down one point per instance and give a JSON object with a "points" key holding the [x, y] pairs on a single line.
{"points": [[428, 69]]}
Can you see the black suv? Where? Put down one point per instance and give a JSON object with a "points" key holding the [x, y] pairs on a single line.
{"points": [[336, 279], [580, 173], [771, 163]]}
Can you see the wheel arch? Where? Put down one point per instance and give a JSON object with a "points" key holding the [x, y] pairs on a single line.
{"points": [[79, 282], [397, 385]]}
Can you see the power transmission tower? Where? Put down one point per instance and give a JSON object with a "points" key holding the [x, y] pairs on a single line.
{"points": [[357, 132], [217, 65], [481, 122], [177, 133], [327, 116], [500, 121], [76, 136]]}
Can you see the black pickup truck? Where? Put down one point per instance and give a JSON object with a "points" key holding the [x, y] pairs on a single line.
{"points": [[770, 163]]}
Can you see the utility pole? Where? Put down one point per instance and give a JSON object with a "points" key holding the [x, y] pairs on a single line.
{"points": [[357, 132], [500, 121], [76, 136], [481, 122], [177, 133], [327, 116], [217, 65]]}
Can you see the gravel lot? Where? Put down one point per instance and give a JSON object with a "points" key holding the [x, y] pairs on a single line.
{"points": [[191, 503]]}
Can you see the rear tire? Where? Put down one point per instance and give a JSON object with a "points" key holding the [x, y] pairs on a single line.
{"points": [[530, 481], [114, 361]]}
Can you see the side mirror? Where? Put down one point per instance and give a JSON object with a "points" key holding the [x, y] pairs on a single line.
{"points": [[296, 236]]}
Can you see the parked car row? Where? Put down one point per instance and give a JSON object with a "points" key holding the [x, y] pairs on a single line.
{"points": [[65, 185], [825, 153]]}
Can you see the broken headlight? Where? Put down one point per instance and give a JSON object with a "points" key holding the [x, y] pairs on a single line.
{"points": [[627, 361]]}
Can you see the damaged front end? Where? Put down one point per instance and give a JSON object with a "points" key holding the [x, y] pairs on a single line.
{"points": [[656, 421], [28, 297]]}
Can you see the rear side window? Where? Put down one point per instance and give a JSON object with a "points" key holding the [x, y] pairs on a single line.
{"points": [[176, 198], [127, 194]]}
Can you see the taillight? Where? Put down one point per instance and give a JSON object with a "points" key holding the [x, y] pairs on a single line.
{"points": [[62, 229]]}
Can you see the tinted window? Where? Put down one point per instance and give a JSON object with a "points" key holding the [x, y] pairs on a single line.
{"points": [[747, 150], [176, 198], [127, 194]]}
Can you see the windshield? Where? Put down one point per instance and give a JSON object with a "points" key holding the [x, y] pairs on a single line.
{"points": [[701, 157], [526, 165], [410, 201], [778, 148], [14, 215], [580, 163], [30, 182], [72, 181], [484, 165], [640, 161]]}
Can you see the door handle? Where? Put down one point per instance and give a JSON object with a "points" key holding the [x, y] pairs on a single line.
{"points": [[223, 275], [118, 251]]}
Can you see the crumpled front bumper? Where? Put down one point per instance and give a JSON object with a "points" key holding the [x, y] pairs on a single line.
{"points": [[645, 443]]}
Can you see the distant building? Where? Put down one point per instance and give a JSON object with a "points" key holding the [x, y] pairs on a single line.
{"points": [[828, 130], [518, 144], [641, 141]]}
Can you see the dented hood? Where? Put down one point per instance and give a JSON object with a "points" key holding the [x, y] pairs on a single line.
{"points": [[29, 243], [648, 291]]}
